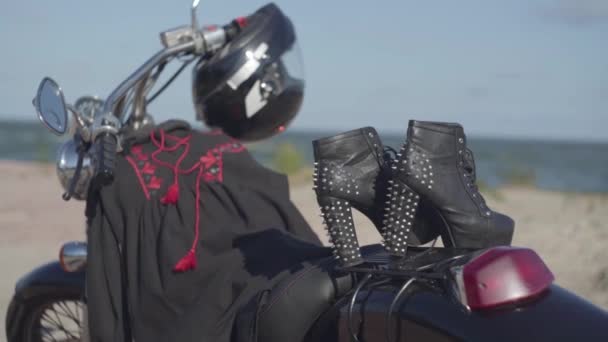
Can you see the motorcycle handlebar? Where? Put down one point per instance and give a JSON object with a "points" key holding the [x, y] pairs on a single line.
{"points": [[235, 27], [106, 142], [217, 37]]}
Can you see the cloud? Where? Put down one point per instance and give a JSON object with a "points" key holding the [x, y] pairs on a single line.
{"points": [[576, 12]]}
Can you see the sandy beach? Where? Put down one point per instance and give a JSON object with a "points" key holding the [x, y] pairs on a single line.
{"points": [[568, 230]]}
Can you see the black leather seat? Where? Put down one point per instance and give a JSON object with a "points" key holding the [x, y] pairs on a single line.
{"points": [[287, 313], [293, 306]]}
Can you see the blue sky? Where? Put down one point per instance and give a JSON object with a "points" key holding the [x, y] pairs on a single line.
{"points": [[520, 68]]}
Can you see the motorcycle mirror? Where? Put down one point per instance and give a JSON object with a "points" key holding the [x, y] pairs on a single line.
{"points": [[50, 106], [195, 4]]}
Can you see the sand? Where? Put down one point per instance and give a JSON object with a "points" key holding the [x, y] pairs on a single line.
{"points": [[569, 231]]}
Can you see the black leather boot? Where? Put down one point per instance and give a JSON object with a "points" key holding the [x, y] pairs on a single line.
{"points": [[436, 163], [351, 171]]}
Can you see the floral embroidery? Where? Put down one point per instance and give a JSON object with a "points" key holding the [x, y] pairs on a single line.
{"points": [[210, 167]]}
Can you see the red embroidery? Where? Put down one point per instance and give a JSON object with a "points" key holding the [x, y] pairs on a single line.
{"points": [[139, 177], [210, 169], [208, 160], [137, 151], [155, 183], [148, 168]]}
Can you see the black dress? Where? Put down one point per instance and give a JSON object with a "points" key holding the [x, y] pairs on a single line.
{"points": [[191, 229]]}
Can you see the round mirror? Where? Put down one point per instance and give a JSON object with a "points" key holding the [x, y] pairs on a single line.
{"points": [[50, 106]]}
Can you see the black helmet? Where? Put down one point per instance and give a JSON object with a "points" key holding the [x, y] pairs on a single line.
{"points": [[253, 87]]}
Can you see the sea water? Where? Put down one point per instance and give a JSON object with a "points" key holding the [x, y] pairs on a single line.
{"points": [[553, 165]]}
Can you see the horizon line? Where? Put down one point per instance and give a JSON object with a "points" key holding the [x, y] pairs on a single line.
{"points": [[324, 130]]}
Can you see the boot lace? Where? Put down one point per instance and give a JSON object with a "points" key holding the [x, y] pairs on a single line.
{"points": [[390, 156], [468, 163]]}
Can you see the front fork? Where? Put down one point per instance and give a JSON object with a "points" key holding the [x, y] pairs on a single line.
{"points": [[84, 328], [73, 258]]}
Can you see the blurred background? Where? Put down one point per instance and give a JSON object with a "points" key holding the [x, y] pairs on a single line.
{"points": [[528, 79]]}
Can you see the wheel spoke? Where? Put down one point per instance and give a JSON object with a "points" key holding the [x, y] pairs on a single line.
{"points": [[67, 313], [50, 320], [60, 322]]}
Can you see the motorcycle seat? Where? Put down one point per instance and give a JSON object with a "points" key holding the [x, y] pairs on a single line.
{"points": [[291, 308]]}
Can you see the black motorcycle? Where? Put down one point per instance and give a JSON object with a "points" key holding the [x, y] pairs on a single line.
{"points": [[436, 294]]}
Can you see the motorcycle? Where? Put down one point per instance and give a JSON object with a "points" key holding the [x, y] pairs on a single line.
{"points": [[436, 294]]}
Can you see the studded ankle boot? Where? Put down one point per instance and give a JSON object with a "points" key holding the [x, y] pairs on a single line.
{"points": [[351, 172], [436, 163]]}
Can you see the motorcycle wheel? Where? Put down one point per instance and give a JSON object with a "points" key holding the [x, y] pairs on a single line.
{"points": [[51, 315]]}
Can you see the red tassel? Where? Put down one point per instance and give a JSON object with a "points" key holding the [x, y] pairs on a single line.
{"points": [[171, 196], [188, 262]]}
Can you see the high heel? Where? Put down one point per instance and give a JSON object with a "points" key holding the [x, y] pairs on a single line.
{"points": [[351, 171], [346, 173], [398, 221], [436, 163], [338, 219]]}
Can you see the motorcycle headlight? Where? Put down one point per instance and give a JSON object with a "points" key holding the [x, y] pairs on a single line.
{"points": [[67, 159]]}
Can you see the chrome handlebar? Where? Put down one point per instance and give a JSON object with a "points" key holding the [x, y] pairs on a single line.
{"points": [[181, 41], [109, 112], [98, 137]]}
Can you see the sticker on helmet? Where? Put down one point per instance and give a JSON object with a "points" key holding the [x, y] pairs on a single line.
{"points": [[254, 101], [252, 64]]}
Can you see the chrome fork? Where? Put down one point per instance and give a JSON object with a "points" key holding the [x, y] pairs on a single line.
{"points": [[73, 258]]}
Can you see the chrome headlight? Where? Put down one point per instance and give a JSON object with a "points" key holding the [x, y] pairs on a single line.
{"points": [[67, 159]]}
